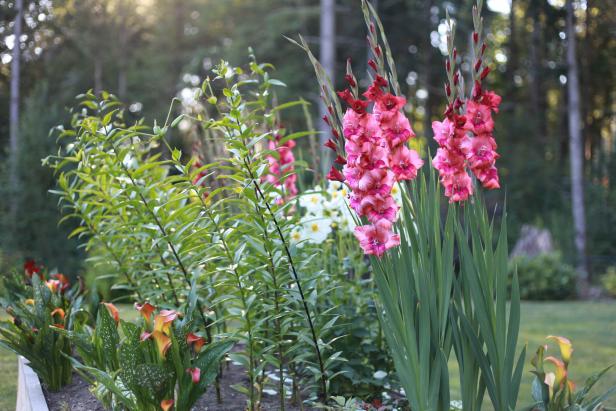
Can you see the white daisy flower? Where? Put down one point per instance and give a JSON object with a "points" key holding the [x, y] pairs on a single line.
{"points": [[313, 201], [297, 237], [316, 229]]}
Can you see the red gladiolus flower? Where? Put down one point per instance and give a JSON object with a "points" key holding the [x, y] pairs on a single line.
{"points": [[113, 311], [195, 374], [196, 341]]}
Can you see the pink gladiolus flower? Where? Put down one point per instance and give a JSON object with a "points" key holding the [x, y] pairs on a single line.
{"points": [[388, 105], [378, 207], [478, 118], [458, 187], [281, 169], [405, 163], [443, 131], [376, 158], [377, 238], [396, 129], [377, 181]]}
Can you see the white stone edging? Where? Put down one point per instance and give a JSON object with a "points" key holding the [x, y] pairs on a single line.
{"points": [[29, 391]]}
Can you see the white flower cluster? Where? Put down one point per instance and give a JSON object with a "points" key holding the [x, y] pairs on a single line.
{"points": [[326, 210]]}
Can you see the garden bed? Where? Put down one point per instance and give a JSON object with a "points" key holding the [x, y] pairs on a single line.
{"points": [[77, 397]]}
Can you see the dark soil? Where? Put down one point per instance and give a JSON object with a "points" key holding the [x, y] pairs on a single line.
{"points": [[77, 396], [74, 397]]}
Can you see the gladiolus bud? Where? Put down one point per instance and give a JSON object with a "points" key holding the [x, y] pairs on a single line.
{"points": [[448, 90], [326, 119], [485, 72], [372, 29], [455, 53], [377, 51], [475, 37], [448, 65], [331, 144], [349, 78], [483, 48], [331, 110], [335, 133], [340, 160], [372, 65], [335, 175], [380, 81], [477, 65], [456, 78]]}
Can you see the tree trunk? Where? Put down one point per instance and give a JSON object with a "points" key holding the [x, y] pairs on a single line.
{"points": [[576, 154], [512, 58], [327, 49], [14, 112], [98, 74]]}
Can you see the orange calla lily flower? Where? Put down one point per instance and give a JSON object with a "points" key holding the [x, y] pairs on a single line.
{"points": [[113, 311], [561, 369], [58, 311], [29, 301], [63, 281], [163, 342], [166, 405], [146, 310], [163, 320], [565, 346], [195, 373], [53, 285], [197, 341]]}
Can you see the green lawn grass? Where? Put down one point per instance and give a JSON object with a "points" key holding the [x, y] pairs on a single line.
{"points": [[590, 326]]}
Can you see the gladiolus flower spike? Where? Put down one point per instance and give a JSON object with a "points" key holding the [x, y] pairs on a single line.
{"points": [[377, 156], [465, 136]]}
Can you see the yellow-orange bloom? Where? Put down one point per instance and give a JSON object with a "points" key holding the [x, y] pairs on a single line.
{"points": [[163, 320], [146, 310], [163, 342], [29, 301], [166, 405], [113, 311], [565, 346], [197, 341], [58, 311]]}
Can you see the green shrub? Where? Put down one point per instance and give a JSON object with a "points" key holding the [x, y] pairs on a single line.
{"points": [[545, 277], [609, 281]]}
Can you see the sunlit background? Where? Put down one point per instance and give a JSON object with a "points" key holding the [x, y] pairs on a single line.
{"points": [[148, 51]]}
